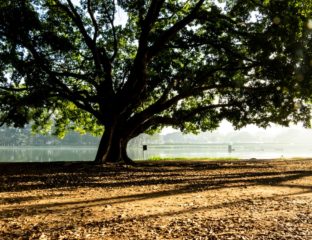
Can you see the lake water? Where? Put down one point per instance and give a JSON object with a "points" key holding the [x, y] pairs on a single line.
{"points": [[239, 150], [46, 154], [82, 153]]}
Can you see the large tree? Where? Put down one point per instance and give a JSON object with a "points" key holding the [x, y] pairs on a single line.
{"points": [[72, 65]]}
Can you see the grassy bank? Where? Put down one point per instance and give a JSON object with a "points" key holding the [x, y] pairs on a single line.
{"points": [[158, 158]]}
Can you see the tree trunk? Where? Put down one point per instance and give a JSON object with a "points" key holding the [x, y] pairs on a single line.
{"points": [[112, 148]]}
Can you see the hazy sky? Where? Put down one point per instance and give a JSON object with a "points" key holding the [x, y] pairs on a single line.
{"points": [[226, 127]]}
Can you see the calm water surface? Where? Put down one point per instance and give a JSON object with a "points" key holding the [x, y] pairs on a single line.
{"points": [[46, 154], [82, 153]]}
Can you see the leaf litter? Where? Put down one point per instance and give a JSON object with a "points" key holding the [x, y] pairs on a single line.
{"points": [[157, 200]]}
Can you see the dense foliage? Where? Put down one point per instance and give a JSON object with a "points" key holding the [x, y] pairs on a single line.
{"points": [[69, 65]]}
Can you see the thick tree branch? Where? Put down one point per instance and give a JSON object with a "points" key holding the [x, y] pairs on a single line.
{"points": [[157, 120], [98, 54], [152, 14], [137, 78], [94, 22], [76, 98], [74, 15], [163, 104], [66, 92], [168, 34], [111, 19], [100, 57]]}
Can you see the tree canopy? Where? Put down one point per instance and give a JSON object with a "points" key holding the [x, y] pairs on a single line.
{"points": [[72, 65]]}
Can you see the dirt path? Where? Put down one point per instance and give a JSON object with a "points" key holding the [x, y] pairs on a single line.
{"points": [[173, 200]]}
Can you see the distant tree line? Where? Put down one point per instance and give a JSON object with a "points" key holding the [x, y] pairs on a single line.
{"points": [[10, 136]]}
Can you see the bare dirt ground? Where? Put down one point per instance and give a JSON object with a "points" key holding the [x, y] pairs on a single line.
{"points": [[157, 200]]}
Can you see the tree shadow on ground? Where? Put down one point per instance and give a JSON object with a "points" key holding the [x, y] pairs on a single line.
{"points": [[175, 176], [27, 177], [121, 223]]}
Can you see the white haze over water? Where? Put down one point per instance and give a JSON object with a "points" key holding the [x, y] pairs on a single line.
{"points": [[246, 143], [226, 127]]}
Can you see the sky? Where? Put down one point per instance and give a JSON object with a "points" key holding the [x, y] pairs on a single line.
{"points": [[226, 127]]}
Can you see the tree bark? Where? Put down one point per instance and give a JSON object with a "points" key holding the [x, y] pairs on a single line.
{"points": [[113, 148]]}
